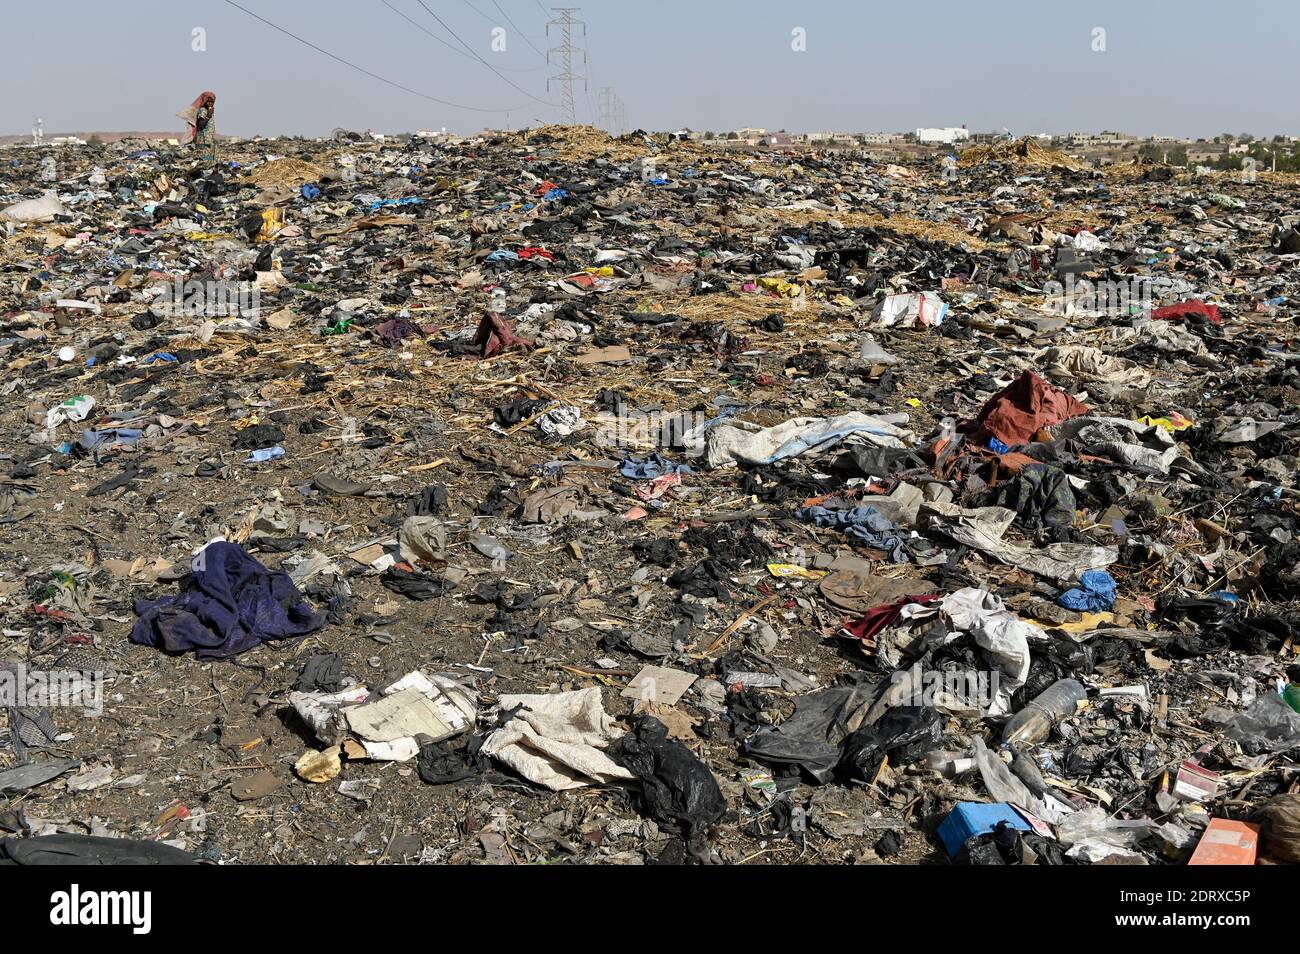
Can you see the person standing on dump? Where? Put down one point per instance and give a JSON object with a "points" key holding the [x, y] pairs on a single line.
{"points": [[203, 128]]}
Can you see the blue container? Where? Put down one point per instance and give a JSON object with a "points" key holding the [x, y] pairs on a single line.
{"points": [[976, 818]]}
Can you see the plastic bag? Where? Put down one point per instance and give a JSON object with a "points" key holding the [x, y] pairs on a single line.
{"points": [[1270, 725]]}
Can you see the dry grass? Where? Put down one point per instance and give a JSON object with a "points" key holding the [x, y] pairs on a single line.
{"points": [[286, 172], [1022, 152]]}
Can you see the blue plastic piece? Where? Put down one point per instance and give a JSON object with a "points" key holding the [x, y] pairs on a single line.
{"points": [[976, 818]]}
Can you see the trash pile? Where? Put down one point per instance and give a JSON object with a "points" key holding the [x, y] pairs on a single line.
{"points": [[552, 498]]}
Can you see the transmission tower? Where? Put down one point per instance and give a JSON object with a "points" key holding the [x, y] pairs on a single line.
{"points": [[605, 101], [564, 21], [613, 116]]}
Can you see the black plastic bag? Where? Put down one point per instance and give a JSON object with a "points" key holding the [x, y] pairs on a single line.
{"points": [[904, 733], [677, 789]]}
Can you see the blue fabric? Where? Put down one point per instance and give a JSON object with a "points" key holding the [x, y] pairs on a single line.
{"points": [[384, 203], [1096, 595], [814, 439], [864, 523], [90, 439], [263, 454], [230, 604], [310, 190], [651, 467]]}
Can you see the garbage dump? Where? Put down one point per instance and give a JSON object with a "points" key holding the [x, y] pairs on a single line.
{"points": [[548, 496]]}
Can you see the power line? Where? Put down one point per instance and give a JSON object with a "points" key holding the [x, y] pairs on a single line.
{"points": [[517, 30], [362, 69], [480, 13], [458, 52], [479, 58], [565, 22]]}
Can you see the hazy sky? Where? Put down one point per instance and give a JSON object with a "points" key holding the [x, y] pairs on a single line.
{"points": [[1175, 67]]}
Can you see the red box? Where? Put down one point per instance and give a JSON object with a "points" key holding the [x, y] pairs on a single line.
{"points": [[1227, 843]]}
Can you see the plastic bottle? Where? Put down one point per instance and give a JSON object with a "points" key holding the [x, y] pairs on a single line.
{"points": [[950, 764], [1031, 724]]}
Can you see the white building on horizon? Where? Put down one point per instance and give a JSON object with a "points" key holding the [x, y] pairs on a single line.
{"points": [[945, 134]]}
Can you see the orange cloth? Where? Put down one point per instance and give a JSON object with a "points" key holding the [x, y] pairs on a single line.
{"points": [[1022, 409]]}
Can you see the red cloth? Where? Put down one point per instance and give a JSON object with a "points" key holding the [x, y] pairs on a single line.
{"points": [[495, 335], [878, 617], [206, 99], [1022, 409], [1193, 306]]}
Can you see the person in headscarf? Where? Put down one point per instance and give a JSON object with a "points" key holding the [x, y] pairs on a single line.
{"points": [[199, 115]]}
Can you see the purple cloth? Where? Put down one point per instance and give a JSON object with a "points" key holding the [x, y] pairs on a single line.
{"points": [[230, 604], [392, 331]]}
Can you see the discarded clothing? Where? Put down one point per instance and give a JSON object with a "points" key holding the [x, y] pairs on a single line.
{"points": [[862, 523], [1023, 408], [1095, 594], [879, 617], [983, 529], [1040, 495], [1193, 306], [393, 331], [649, 468], [557, 740], [495, 335], [730, 443], [1092, 366], [229, 604]]}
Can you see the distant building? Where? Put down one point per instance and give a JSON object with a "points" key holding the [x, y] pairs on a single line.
{"points": [[945, 134], [1106, 137], [878, 138], [837, 138]]}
